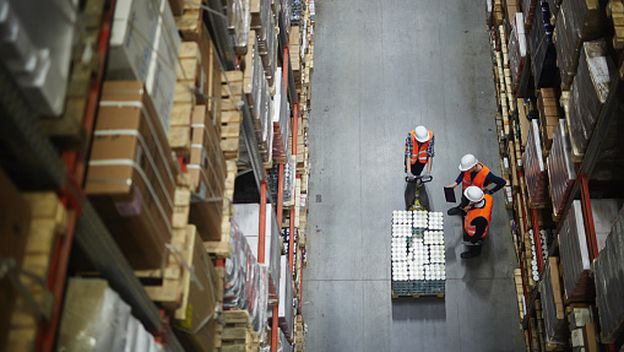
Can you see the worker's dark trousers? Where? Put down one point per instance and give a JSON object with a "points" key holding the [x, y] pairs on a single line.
{"points": [[464, 201], [473, 245], [417, 168]]}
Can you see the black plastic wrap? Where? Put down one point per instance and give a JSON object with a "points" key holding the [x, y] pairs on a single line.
{"points": [[534, 168], [578, 21], [609, 281], [588, 93], [555, 327], [574, 252], [561, 172], [543, 54]]}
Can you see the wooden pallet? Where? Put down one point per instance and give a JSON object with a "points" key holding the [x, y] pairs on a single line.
{"points": [[615, 10], [48, 221], [237, 334], [231, 116], [192, 29], [187, 70], [164, 285], [439, 295], [549, 115], [223, 247]]}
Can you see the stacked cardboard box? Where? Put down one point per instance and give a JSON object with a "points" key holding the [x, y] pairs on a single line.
{"points": [[556, 332], [548, 107], [132, 175], [578, 21], [609, 281], [196, 318], [588, 93], [534, 168], [207, 170], [561, 172], [584, 337]]}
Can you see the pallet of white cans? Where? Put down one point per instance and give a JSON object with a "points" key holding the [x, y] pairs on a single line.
{"points": [[418, 263]]}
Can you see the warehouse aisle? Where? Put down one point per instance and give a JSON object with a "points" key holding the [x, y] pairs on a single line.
{"points": [[381, 68]]}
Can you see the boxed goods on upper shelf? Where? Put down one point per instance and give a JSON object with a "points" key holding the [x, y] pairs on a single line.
{"points": [[609, 281], [589, 91], [556, 332], [575, 257], [578, 20], [208, 171], [132, 176], [534, 168], [561, 173]]}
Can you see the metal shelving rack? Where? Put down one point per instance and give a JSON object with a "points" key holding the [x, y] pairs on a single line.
{"points": [[35, 164], [580, 190]]}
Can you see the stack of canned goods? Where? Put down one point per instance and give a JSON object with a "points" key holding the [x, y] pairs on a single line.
{"points": [[417, 250]]}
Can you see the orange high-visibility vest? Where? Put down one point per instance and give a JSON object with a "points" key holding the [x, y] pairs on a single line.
{"points": [[485, 212], [478, 180], [419, 152]]}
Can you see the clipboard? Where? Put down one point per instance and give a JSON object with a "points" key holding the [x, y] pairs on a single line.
{"points": [[449, 194]]}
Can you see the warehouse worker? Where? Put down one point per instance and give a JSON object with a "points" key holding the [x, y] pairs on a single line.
{"points": [[477, 220], [419, 150], [474, 173]]}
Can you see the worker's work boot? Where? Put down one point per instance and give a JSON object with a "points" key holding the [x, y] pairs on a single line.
{"points": [[456, 211], [472, 251]]}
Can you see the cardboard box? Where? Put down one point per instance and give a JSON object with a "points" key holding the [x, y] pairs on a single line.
{"points": [[207, 170], [14, 230], [196, 319], [131, 180], [132, 39]]}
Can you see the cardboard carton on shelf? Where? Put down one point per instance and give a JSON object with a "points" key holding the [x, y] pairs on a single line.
{"points": [[195, 320], [207, 170], [131, 176]]}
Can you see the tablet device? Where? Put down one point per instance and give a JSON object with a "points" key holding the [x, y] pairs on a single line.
{"points": [[449, 194]]}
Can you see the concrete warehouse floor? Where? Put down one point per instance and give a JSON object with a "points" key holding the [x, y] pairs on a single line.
{"points": [[381, 68]]}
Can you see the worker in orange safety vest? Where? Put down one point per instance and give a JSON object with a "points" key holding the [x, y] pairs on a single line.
{"points": [[419, 150], [474, 173], [477, 220]]}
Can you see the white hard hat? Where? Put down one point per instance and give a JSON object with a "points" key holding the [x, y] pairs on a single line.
{"points": [[474, 194], [422, 134], [467, 162]]}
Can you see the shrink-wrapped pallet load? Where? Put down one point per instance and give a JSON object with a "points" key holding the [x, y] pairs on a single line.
{"points": [[588, 93], [609, 281], [561, 173], [534, 168], [578, 21]]}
